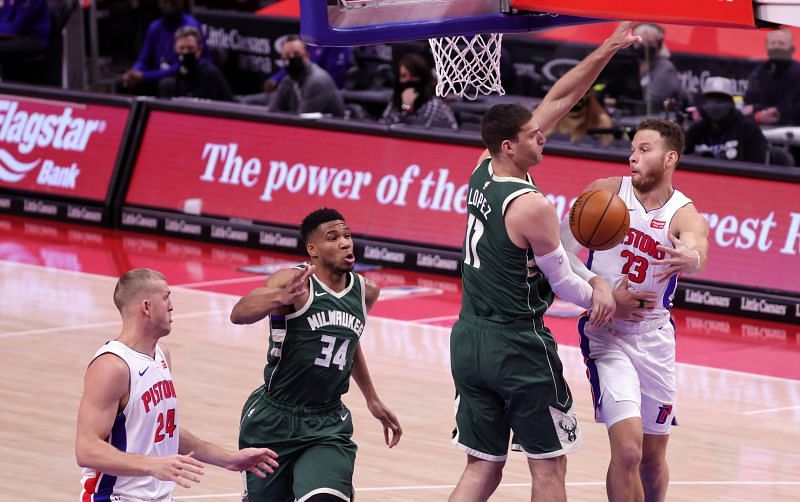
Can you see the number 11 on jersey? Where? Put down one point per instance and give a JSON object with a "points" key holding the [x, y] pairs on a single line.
{"points": [[474, 234]]}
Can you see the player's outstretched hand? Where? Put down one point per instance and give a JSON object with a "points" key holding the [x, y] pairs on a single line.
{"points": [[603, 304], [296, 285], [682, 259], [632, 304], [623, 36], [259, 461], [182, 469], [388, 420]]}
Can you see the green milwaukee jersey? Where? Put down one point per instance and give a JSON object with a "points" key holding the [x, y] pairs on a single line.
{"points": [[500, 280], [311, 351]]}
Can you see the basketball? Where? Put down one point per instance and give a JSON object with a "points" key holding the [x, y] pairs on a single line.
{"points": [[599, 219]]}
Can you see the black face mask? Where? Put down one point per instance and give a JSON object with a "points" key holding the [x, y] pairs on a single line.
{"points": [[417, 86], [718, 111], [295, 66], [779, 54], [188, 61]]}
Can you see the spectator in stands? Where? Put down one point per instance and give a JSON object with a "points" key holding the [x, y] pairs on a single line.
{"points": [[659, 78], [587, 114], [24, 31], [308, 88], [773, 92], [414, 101], [195, 78], [334, 60], [157, 58], [723, 132]]}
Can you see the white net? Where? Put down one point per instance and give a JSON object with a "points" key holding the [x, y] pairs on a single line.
{"points": [[468, 66]]}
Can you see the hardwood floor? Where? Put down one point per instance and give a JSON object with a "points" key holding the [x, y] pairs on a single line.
{"points": [[737, 440]]}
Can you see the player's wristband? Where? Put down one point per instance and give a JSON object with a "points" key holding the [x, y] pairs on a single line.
{"points": [[696, 265]]}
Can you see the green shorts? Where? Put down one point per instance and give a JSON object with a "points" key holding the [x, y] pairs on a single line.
{"points": [[509, 378], [314, 444]]}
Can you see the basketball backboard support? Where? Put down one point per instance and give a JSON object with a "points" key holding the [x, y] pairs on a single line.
{"points": [[363, 22], [465, 35], [366, 22]]}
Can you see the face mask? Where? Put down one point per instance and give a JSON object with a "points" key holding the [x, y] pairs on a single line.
{"points": [[718, 112], [417, 86], [188, 60], [295, 66], [779, 54]]}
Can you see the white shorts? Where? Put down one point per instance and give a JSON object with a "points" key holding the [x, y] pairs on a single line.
{"points": [[631, 375], [127, 498]]}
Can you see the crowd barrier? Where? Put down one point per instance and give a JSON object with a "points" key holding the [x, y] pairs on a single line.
{"points": [[229, 173]]}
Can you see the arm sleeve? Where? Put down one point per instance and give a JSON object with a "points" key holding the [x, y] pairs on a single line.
{"points": [[566, 283], [278, 75], [155, 75], [572, 247]]}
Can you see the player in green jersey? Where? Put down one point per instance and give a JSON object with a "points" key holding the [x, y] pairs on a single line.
{"points": [[317, 315], [505, 364]]}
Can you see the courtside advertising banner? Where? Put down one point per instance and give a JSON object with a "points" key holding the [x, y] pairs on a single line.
{"points": [[416, 191], [59, 147]]}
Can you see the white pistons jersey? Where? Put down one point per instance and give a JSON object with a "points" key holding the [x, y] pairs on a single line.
{"points": [[635, 255], [148, 425]]}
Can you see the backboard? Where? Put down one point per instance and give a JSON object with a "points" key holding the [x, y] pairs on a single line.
{"points": [[366, 22]]}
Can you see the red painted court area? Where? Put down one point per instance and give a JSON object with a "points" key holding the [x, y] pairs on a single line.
{"points": [[717, 341]]}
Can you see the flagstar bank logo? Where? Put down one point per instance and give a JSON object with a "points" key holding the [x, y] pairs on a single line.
{"points": [[25, 131]]}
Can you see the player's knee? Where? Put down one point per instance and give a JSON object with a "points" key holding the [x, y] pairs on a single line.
{"points": [[495, 477], [653, 464], [490, 473], [324, 497], [627, 455], [553, 469]]}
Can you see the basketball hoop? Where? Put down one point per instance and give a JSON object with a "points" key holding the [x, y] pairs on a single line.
{"points": [[468, 65]]}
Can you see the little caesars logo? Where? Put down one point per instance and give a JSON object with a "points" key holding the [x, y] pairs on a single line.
{"points": [[706, 298], [41, 130], [435, 261], [383, 254]]}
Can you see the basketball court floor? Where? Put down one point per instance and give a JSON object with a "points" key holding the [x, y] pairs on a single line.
{"points": [[739, 380]]}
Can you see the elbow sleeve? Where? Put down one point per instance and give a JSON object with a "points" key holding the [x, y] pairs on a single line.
{"points": [[572, 247], [555, 265]]}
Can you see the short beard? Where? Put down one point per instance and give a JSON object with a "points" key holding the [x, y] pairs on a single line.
{"points": [[646, 183]]}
